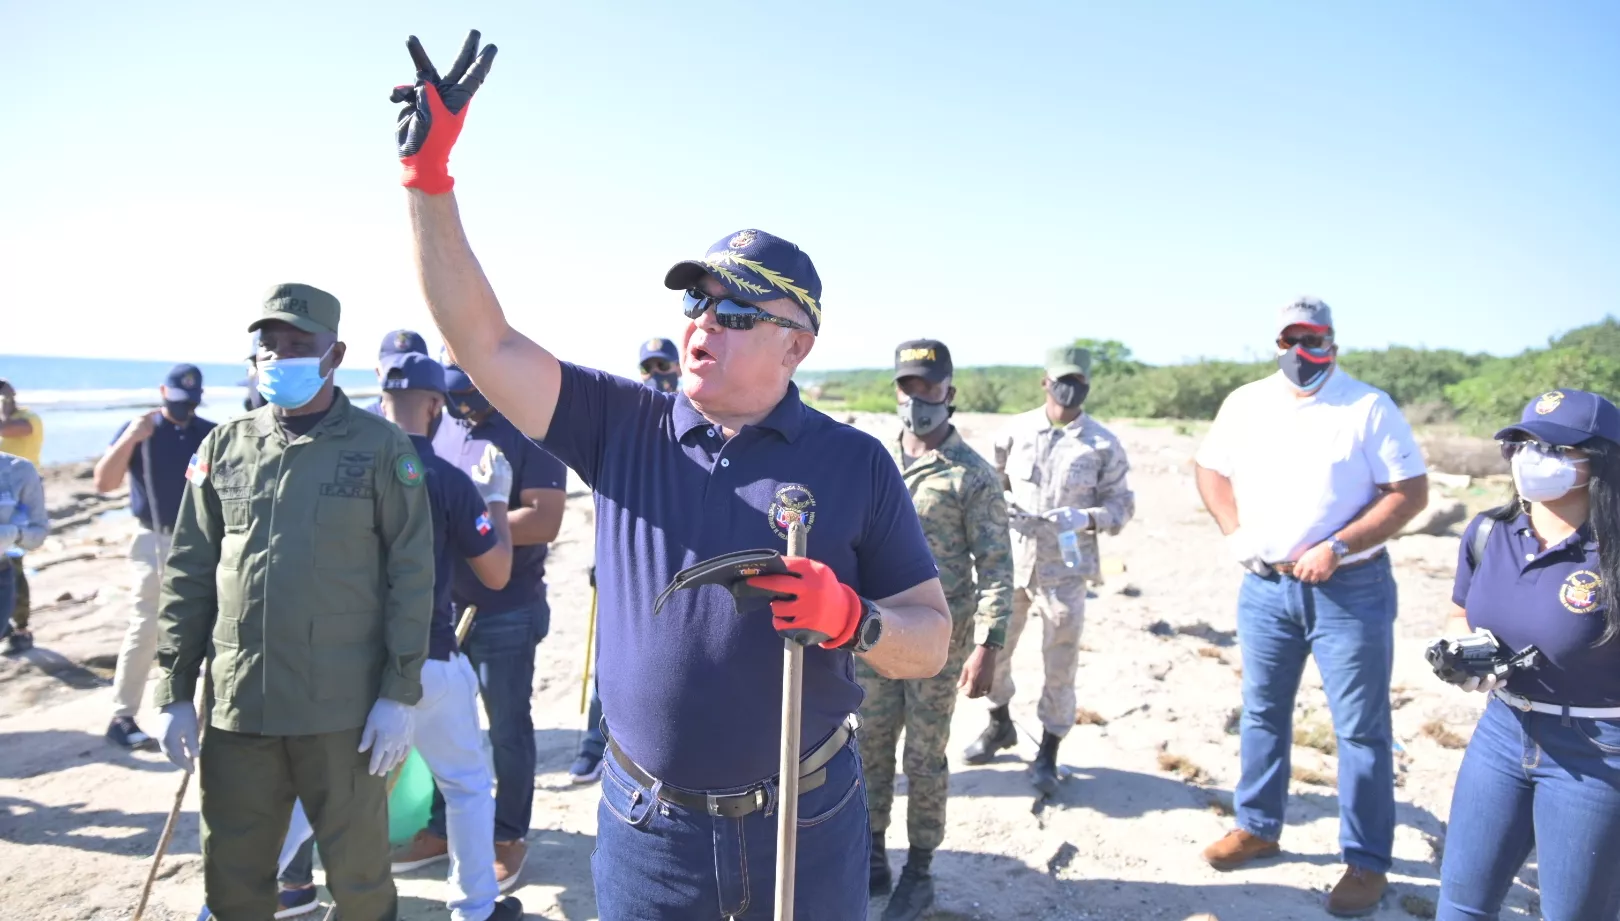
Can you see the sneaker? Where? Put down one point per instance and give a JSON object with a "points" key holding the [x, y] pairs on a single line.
{"points": [[1238, 848], [424, 849], [587, 769], [294, 902], [123, 733], [20, 640], [1357, 893], [507, 909], [509, 859]]}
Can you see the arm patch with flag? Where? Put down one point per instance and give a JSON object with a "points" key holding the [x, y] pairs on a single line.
{"points": [[482, 523], [196, 471]]}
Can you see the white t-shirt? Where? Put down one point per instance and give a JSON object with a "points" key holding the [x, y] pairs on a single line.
{"points": [[1302, 467]]}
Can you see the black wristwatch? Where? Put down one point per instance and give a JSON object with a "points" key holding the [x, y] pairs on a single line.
{"points": [[868, 631]]}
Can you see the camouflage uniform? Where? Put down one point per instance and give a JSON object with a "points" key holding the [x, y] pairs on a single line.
{"points": [[958, 499], [1081, 465]]}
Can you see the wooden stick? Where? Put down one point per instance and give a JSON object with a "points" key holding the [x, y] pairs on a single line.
{"points": [[168, 828], [590, 638], [787, 807]]}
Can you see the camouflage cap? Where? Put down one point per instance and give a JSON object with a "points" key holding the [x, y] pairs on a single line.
{"points": [[1068, 360], [304, 306]]}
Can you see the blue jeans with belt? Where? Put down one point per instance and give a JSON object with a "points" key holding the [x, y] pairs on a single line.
{"points": [[656, 861], [500, 647], [1348, 624], [1535, 779]]}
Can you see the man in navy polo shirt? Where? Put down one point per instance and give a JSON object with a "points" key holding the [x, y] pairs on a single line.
{"points": [[154, 450], [396, 346], [686, 826], [509, 623]]}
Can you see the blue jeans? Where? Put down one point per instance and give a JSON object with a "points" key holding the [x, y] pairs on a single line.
{"points": [[1348, 624], [655, 861], [1533, 779], [594, 743], [500, 647]]}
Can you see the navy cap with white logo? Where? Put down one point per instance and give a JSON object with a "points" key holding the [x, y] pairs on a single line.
{"points": [[755, 266], [185, 383], [402, 342], [1567, 417], [412, 371]]}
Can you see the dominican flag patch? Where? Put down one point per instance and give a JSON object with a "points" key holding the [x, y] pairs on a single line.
{"points": [[483, 525], [196, 471]]}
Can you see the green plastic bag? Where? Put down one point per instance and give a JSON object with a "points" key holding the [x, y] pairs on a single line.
{"points": [[410, 800]]}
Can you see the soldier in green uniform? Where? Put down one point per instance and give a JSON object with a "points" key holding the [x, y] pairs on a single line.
{"points": [[959, 501], [302, 571]]}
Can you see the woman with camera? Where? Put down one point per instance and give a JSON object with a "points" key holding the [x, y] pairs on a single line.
{"points": [[1543, 767]]}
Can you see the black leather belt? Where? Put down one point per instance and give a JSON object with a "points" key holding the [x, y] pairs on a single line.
{"points": [[1286, 567], [812, 774]]}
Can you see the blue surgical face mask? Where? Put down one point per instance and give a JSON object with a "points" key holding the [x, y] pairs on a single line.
{"points": [[291, 382]]}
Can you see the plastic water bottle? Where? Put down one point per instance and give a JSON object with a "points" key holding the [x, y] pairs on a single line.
{"points": [[1070, 542]]}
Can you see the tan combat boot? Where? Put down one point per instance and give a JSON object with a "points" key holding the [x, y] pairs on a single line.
{"points": [[1357, 893], [1238, 848]]}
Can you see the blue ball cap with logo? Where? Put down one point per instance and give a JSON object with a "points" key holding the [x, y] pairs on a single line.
{"points": [[184, 383], [1567, 417], [755, 266], [659, 348], [412, 371], [402, 342], [456, 380]]}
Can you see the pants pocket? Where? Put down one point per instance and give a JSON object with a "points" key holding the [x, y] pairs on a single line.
{"points": [[627, 800], [832, 798], [1603, 735]]}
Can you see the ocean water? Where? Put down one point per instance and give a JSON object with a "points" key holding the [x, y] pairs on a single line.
{"points": [[83, 401]]}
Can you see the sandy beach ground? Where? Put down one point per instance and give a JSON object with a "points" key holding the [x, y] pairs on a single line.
{"points": [[1148, 778]]}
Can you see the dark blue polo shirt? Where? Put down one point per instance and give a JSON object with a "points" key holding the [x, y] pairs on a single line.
{"points": [[1548, 599], [462, 444], [461, 531], [694, 694], [171, 447]]}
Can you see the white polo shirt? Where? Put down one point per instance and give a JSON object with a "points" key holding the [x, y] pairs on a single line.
{"points": [[1302, 467]]}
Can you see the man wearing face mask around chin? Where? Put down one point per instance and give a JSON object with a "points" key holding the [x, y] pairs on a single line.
{"points": [[1068, 479], [1307, 473], [959, 502], [154, 450], [302, 571]]}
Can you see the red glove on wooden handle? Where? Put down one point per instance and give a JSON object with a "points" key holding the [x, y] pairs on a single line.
{"points": [[435, 108], [823, 610]]}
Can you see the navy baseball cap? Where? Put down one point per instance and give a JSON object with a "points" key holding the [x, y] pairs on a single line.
{"points": [[186, 381], [412, 371], [402, 342], [660, 348], [456, 380], [755, 266], [1567, 417]]}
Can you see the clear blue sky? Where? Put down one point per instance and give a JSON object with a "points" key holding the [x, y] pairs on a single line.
{"points": [[1002, 176]]}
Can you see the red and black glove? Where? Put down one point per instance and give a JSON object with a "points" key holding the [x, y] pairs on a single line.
{"points": [[435, 108], [819, 608]]}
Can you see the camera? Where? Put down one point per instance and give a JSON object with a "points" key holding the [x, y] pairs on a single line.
{"points": [[1477, 655]]}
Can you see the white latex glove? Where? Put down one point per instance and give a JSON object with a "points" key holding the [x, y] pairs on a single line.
{"points": [[1484, 684], [1069, 519], [177, 734], [1246, 554], [387, 734], [493, 474]]}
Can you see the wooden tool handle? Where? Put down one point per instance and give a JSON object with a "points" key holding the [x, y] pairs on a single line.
{"points": [[787, 810]]}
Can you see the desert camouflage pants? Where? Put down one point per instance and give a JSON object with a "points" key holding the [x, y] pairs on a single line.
{"points": [[1062, 610], [923, 708]]}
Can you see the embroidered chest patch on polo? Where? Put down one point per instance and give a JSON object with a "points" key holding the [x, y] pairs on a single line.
{"points": [[1579, 593]]}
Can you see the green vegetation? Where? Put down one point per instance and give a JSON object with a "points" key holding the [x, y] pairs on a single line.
{"points": [[1477, 392]]}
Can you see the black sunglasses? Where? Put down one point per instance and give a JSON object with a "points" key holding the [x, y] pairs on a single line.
{"points": [[1309, 340], [1512, 446], [657, 366], [732, 313]]}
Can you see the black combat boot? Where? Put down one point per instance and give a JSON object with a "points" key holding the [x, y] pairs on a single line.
{"points": [[1044, 772], [914, 894], [998, 735], [881, 881]]}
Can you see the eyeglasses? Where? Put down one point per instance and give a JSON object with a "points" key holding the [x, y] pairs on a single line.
{"points": [[1513, 446], [657, 366], [1309, 340], [732, 313]]}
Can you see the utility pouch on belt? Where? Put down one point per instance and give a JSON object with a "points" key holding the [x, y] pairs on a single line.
{"points": [[731, 571]]}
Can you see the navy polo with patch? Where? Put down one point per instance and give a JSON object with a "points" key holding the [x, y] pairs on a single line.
{"points": [[461, 531], [1546, 598], [694, 694], [171, 447], [462, 444]]}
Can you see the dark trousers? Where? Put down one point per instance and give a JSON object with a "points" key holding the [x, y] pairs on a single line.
{"points": [[21, 603], [500, 647], [248, 784]]}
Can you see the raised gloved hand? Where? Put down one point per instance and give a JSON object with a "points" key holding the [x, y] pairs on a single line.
{"points": [[387, 735], [1069, 518], [493, 474], [1246, 553], [177, 733], [434, 110], [820, 609]]}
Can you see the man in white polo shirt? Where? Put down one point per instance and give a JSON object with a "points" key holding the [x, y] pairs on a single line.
{"points": [[1308, 472]]}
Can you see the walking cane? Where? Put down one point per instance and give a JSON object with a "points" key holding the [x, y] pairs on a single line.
{"points": [[787, 807], [174, 811]]}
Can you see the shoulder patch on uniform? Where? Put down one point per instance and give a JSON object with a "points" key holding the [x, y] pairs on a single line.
{"points": [[197, 471], [409, 469]]}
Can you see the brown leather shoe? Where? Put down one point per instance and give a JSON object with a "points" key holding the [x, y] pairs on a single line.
{"points": [[1238, 848], [509, 859], [1357, 893], [424, 849]]}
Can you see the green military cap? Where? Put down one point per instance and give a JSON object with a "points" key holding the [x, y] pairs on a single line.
{"points": [[304, 306], [1062, 362]]}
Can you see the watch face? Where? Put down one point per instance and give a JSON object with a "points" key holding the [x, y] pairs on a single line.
{"points": [[871, 631]]}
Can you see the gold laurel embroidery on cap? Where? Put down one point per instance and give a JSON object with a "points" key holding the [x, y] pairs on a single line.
{"points": [[715, 263], [1579, 592], [742, 239], [782, 282], [1548, 402]]}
